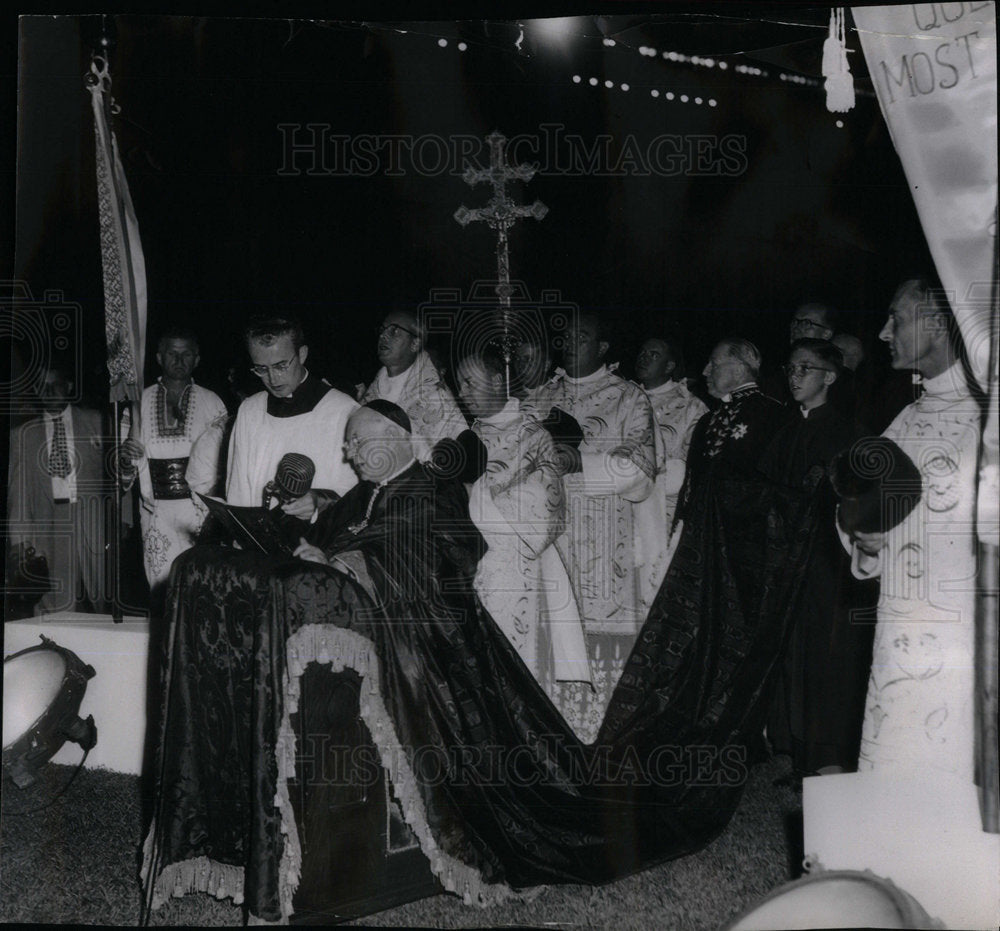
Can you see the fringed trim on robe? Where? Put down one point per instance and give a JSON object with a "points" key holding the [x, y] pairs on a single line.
{"points": [[199, 874], [341, 648]]}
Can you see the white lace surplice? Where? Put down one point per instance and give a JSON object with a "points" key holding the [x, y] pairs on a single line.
{"points": [[259, 441]]}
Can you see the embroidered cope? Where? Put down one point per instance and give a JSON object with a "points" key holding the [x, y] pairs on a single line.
{"points": [[519, 506], [675, 411], [428, 403], [599, 547], [919, 710]]}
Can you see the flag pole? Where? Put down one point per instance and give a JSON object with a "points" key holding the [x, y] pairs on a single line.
{"points": [[124, 277], [985, 708]]}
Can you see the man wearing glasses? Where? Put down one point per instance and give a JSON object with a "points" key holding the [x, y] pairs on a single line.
{"points": [[409, 379], [296, 413], [813, 321]]}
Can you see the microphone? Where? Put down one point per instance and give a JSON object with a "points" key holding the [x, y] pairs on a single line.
{"points": [[292, 479]]}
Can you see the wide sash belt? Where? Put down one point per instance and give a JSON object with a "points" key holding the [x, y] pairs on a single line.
{"points": [[168, 479]]}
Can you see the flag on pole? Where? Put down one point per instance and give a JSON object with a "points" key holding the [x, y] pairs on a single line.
{"points": [[934, 68], [121, 251]]}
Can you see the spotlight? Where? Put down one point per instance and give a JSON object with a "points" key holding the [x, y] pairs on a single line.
{"points": [[43, 687], [557, 30]]}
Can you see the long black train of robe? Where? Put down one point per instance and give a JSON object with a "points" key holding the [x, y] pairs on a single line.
{"points": [[507, 797], [819, 699]]}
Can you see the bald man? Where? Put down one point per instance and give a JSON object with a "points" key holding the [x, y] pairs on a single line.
{"points": [[432, 536], [410, 379], [732, 437]]}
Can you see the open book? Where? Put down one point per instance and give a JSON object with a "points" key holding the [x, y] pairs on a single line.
{"points": [[255, 529]]}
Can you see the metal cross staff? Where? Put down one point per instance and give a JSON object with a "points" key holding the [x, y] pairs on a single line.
{"points": [[501, 213]]}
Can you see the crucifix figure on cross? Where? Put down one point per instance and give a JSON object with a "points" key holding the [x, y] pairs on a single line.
{"points": [[500, 214]]}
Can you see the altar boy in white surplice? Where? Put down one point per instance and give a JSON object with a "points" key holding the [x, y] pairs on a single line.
{"points": [[614, 471], [297, 413], [919, 711], [519, 506]]}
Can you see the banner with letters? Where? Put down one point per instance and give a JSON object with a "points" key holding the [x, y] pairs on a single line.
{"points": [[935, 73]]}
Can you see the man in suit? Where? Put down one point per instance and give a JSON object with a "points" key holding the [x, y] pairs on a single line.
{"points": [[57, 495]]}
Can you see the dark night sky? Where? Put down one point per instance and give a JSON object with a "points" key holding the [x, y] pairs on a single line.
{"points": [[800, 209]]}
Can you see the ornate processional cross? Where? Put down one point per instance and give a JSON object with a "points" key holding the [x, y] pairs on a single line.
{"points": [[501, 213]]}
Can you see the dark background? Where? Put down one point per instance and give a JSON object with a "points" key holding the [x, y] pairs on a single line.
{"points": [[815, 211]]}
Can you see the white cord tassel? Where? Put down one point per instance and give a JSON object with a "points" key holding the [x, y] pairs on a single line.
{"points": [[839, 82]]}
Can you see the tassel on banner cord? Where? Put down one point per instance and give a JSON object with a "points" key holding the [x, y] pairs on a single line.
{"points": [[839, 82]]}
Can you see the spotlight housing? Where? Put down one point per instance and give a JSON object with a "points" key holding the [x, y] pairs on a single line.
{"points": [[43, 687]]}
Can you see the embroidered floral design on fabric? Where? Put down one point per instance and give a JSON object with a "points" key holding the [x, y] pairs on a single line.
{"points": [[121, 364], [181, 427], [156, 547]]}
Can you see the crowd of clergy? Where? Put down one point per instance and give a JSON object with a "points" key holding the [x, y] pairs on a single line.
{"points": [[580, 479]]}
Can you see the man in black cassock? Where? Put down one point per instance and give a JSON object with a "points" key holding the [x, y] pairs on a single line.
{"points": [[819, 703], [731, 438]]}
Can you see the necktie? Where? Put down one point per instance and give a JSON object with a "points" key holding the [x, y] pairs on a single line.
{"points": [[59, 465]]}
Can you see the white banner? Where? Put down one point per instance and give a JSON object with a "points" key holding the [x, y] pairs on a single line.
{"points": [[935, 72]]}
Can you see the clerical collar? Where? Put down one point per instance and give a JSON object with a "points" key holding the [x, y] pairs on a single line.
{"points": [[396, 474], [743, 391], [376, 490], [668, 386], [503, 416], [806, 412], [398, 377], [950, 382], [602, 372], [308, 393]]}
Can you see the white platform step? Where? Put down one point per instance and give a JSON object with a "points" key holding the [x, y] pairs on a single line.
{"points": [[922, 833]]}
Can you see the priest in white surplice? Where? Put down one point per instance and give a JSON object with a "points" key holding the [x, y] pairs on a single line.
{"points": [[519, 506], [919, 711], [616, 469], [298, 413], [659, 369], [175, 415], [409, 378]]}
